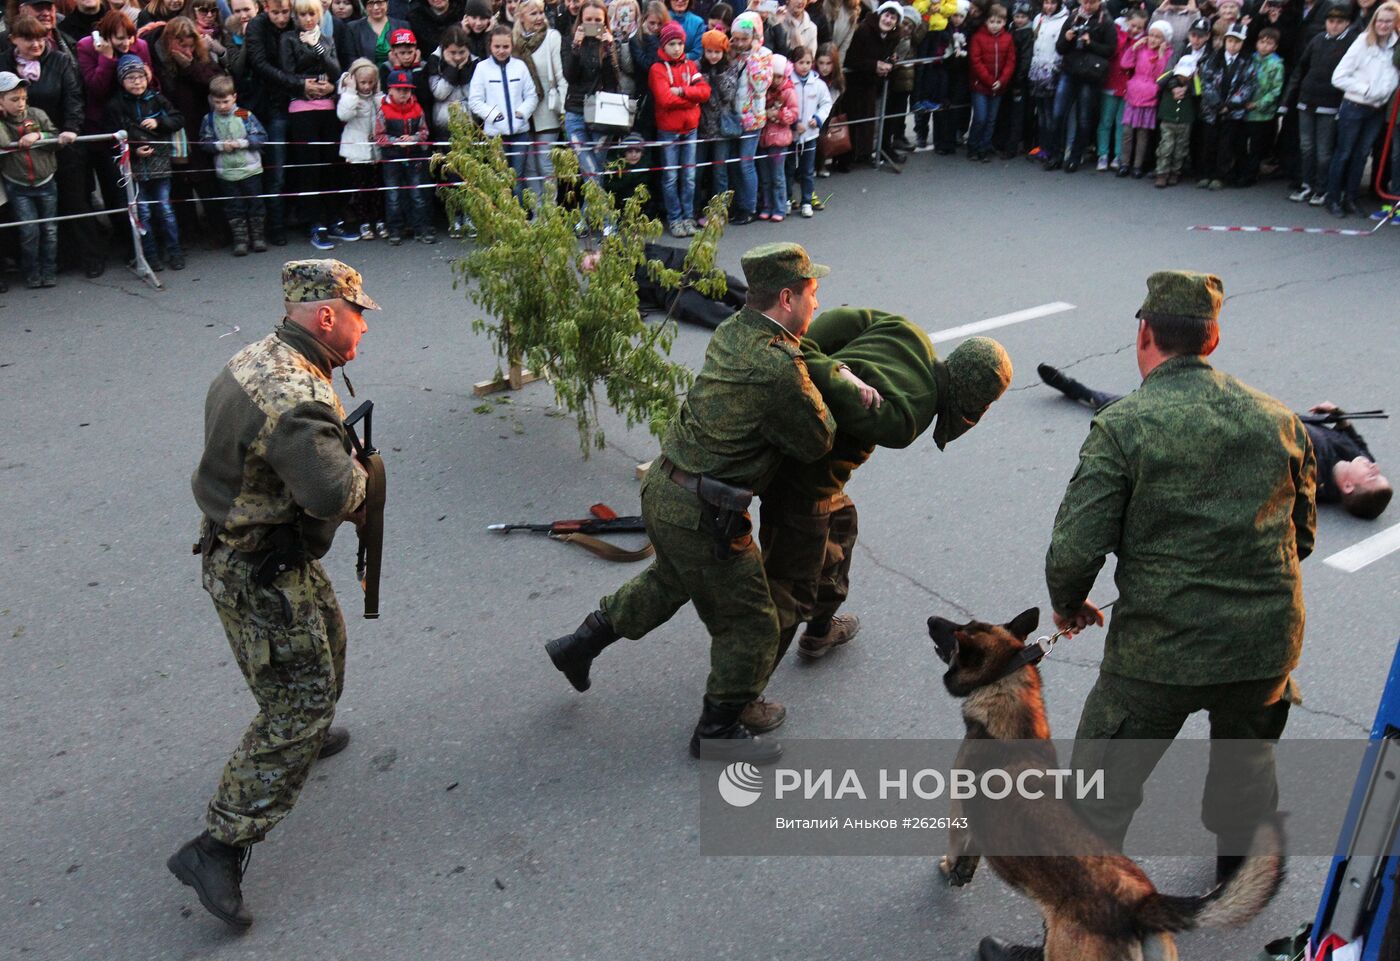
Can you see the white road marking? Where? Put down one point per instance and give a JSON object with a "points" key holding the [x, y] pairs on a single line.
{"points": [[1371, 549], [1005, 320]]}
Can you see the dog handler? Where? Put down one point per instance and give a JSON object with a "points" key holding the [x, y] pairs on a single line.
{"points": [[1204, 489], [808, 522], [752, 404]]}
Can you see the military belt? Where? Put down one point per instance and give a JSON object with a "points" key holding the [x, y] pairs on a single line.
{"points": [[724, 509]]}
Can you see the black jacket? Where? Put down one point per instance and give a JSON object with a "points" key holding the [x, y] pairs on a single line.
{"points": [[308, 63], [77, 25], [1024, 39], [357, 39], [1310, 84], [1094, 37], [58, 91], [275, 85], [1332, 445], [428, 26], [587, 70]]}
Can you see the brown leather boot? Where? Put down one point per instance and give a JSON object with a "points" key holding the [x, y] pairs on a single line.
{"points": [[762, 715]]}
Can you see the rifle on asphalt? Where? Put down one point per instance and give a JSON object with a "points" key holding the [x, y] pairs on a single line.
{"points": [[371, 532], [584, 532]]}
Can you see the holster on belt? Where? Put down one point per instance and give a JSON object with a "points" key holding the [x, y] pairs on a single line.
{"points": [[282, 551], [724, 513]]}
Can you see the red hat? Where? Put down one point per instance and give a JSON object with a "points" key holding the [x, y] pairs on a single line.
{"points": [[672, 31], [402, 36], [400, 78]]}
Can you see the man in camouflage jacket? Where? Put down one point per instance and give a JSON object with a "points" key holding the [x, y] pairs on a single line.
{"points": [[276, 480], [751, 405], [1204, 490]]}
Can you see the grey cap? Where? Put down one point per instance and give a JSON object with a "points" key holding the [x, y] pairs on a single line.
{"points": [[10, 81]]}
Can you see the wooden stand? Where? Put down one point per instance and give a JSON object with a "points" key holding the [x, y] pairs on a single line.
{"points": [[514, 380], [642, 468]]}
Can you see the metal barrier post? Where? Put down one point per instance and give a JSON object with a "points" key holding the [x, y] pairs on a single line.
{"points": [[880, 124], [139, 266]]}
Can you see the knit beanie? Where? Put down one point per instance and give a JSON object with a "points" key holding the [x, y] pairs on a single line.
{"points": [[750, 22], [893, 6], [130, 63], [479, 9], [979, 371], [672, 31], [1162, 27], [714, 40]]}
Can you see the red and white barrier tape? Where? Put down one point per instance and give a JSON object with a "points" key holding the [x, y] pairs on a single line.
{"points": [[1333, 231]]}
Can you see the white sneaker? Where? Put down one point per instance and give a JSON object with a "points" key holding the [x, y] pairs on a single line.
{"points": [[1103, 164], [1318, 199], [806, 210], [1301, 194]]}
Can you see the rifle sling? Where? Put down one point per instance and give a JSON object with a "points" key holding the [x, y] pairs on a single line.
{"points": [[372, 533], [601, 548]]}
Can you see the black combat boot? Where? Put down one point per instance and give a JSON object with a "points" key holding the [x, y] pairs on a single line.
{"points": [[1072, 388], [720, 737], [256, 227], [995, 949], [215, 871], [573, 653], [336, 740], [239, 229]]}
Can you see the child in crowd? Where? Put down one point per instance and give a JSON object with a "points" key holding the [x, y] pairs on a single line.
{"points": [[28, 174], [1227, 89], [623, 179], [828, 68], [774, 141], [401, 130], [502, 95], [1045, 72], [1176, 113], [1261, 123], [952, 119], [235, 138], [358, 109], [678, 88], [901, 84], [449, 71], [992, 63], [477, 21], [1318, 101], [1014, 127], [1115, 90], [149, 120], [403, 55], [813, 107], [720, 17], [719, 118], [746, 46], [1145, 61]]}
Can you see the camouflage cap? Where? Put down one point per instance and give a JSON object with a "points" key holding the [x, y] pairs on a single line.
{"points": [[1183, 293], [307, 281], [979, 370], [779, 266]]}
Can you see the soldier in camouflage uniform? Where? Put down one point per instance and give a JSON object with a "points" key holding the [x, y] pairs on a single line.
{"points": [[751, 405], [276, 480], [809, 523], [1204, 489]]}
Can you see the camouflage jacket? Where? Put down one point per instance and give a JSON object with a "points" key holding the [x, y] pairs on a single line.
{"points": [[1204, 489], [890, 354], [752, 404], [275, 450]]}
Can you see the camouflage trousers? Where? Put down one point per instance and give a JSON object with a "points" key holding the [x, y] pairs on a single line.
{"points": [[807, 550], [1246, 720], [731, 595], [289, 640]]}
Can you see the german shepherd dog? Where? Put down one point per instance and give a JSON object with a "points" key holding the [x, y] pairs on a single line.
{"points": [[1097, 904]]}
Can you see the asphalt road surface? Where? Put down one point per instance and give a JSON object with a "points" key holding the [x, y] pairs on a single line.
{"points": [[486, 811]]}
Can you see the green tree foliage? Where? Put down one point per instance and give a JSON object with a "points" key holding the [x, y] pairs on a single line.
{"points": [[566, 312]]}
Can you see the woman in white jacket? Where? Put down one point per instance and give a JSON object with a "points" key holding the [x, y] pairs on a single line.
{"points": [[1367, 77], [355, 108], [502, 96], [539, 46]]}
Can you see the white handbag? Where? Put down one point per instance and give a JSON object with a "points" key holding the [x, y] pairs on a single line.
{"points": [[609, 111]]}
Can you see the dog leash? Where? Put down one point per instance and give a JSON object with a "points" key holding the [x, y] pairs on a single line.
{"points": [[1035, 651]]}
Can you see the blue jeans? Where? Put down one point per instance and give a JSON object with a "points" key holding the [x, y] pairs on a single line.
{"points": [[678, 150], [406, 177], [713, 159], [38, 243], [984, 121], [585, 143], [1357, 129], [772, 178], [539, 165], [1073, 122], [804, 166], [274, 155], [746, 193], [1317, 132], [158, 212], [517, 149]]}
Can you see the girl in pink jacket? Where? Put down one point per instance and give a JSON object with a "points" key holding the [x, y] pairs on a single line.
{"points": [[1145, 60], [775, 141]]}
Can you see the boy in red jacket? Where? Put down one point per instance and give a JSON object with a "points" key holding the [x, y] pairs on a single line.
{"points": [[678, 89], [992, 64]]}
